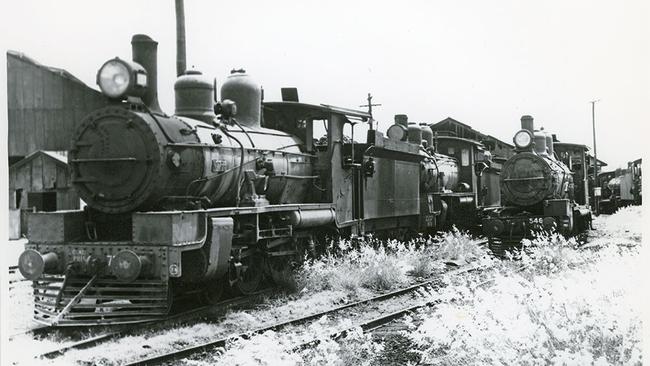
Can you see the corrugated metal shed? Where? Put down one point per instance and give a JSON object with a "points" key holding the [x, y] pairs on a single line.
{"points": [[45, 106]]}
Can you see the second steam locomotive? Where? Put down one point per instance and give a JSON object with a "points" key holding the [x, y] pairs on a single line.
{"points": [[539, 191]]}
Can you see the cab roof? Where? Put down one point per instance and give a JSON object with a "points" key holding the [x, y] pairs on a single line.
{"points": [[303, 111]]}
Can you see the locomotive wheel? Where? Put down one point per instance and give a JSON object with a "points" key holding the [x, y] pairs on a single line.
{"points": [[213, 292], [250, 275], [280, 272]]}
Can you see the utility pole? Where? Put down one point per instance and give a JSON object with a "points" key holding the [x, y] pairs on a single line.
{"points": [[593, 121], [370, 105]]}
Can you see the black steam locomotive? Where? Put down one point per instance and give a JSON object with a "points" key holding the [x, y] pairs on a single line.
{"points": [[619, 188], [223, 196], [539, 191]]}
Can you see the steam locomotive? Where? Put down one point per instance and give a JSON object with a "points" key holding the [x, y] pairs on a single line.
{"points": [[539, 190], [222, 196], [619, 188]]}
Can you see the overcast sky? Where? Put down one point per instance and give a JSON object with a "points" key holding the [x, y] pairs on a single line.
{"points": [[484, 63]]}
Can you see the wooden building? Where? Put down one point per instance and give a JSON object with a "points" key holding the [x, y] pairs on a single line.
{"points": [[45, 106], [40, 182], [500, 150]]}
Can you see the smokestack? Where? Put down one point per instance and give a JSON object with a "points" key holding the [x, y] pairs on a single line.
{"points": [[180, 38], [144, 51], [527, 124], [401, 119]]}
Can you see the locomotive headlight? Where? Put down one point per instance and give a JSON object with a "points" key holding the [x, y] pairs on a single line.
{"points": [[523, 139], [397, 132], [118, 79]]}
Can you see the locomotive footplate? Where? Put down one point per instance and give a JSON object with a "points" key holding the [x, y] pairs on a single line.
{"points": [[105, 301]]}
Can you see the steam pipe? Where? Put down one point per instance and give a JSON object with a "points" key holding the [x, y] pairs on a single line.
{"points": [[145, 52], [181, 63]]}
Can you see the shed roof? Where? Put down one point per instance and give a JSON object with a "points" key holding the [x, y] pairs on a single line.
{"points": [[468, 127], [59, 157], [61, 72], [304, 110], [461, 139]]}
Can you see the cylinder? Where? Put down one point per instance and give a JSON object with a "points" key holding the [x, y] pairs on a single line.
{"points": [[427, 134], [247, 94], [145, 50], [414, 133], [33, 264], [194, 96], [527, 124], [401, 119], [311, 218]]}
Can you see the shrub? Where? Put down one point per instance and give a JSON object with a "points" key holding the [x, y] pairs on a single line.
{"points": [[550, 253], [457, 245], [381, 265]]}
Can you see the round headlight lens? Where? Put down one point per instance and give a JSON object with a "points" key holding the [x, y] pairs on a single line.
{"points": [[397, 133], [114, 78], [523, 139]]}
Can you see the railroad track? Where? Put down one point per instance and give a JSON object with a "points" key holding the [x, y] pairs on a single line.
{"points": [[39, 331], [378, 322], [192, 314], [221, 342]]}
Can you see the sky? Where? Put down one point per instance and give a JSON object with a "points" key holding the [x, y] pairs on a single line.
{"points": [[482, 63]]}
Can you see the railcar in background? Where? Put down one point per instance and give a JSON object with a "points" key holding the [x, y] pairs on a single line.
{"points": [[620, 188]]}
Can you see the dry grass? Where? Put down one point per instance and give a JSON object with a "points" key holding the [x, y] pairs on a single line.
{"points": [[568, 306], [382, 265]]}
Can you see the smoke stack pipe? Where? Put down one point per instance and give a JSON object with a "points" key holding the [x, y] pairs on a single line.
{"points": [[527, 124], [181, 63], [402, 119], [145, 51]]}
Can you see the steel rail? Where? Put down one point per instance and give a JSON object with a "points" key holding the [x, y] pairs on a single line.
{"points": [[220, 343], [367, 326], [36, 331], [376, 323]]}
